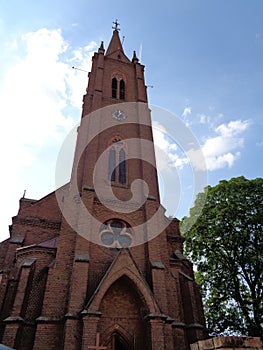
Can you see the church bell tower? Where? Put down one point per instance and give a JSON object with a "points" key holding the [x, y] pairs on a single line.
{"points": [[116, 278]]}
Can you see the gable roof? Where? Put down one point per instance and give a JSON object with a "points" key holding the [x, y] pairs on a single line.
{"points": [[123, 265]]}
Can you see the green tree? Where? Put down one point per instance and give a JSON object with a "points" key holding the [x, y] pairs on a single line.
{"points": [[224, 240]]}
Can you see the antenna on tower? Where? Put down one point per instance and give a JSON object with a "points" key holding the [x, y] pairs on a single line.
{"points": [[140, 53], [82, 70], [123, 39], [24, 194]]}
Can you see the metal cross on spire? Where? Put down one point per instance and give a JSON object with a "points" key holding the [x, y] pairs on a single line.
{"points": [[116, 24]]}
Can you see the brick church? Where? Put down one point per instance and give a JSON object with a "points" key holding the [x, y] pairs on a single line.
{"points": [[96, 264]]}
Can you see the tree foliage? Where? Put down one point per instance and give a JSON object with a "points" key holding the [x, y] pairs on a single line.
{"points": [[225, 242]]}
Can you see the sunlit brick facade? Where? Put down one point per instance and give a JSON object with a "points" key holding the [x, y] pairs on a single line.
{"points": [[61, 290]]}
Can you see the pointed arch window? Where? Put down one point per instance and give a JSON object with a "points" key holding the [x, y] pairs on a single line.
{"points": [[112, 164], [122, 90], [117, 171], [122, 167], [114, 88], [118, 87]]}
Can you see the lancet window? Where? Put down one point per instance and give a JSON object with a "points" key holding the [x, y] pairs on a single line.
{"points": [[118, 88], [117, 161]]}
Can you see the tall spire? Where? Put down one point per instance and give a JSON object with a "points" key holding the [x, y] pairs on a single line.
{"points": [[115, 43]]}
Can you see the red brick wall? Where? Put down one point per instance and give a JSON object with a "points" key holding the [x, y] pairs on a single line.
{"points": [[122, 308], [154, 305], [228, 343]]}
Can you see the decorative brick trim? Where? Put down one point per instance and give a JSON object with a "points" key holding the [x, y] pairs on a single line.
{"points": [[33, 221], [51, 319], [24, 251]]}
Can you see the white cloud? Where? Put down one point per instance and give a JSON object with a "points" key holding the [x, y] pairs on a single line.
{"points": [[219, 151], [187, 111], [222, 150], [40, 102], [202, 118], [219, 145], [166, 149], [159, 133], [233, 128]]}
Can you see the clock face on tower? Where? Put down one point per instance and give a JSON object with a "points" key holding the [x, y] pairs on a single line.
{"points": [[119, 115]]}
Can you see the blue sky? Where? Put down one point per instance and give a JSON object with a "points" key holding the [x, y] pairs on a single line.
{"points": [[204, 59]]}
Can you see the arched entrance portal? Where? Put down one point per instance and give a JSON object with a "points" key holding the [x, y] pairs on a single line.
{"points": [[117, 343], [123, 317]]}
